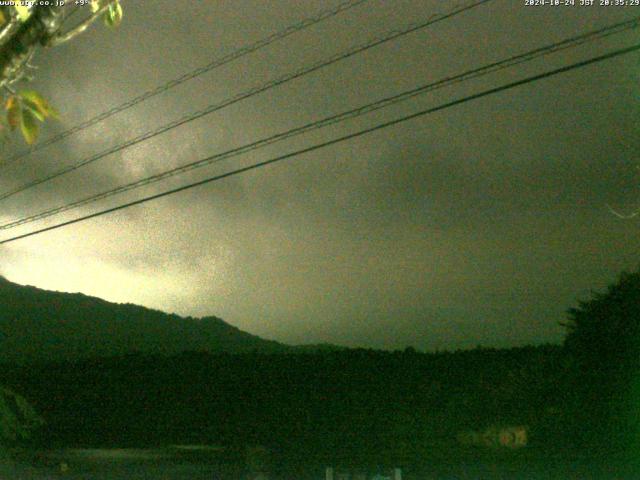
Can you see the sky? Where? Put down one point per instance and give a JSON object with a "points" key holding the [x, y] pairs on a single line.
{"points": [[477, 225]]}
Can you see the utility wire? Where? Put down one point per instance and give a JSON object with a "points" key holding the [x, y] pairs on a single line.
{"points": [[247, 94], [333, 119], [337, 140], [290, 30]]}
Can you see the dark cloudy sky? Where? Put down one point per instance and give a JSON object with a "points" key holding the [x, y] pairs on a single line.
{"points": [[480, 224]]}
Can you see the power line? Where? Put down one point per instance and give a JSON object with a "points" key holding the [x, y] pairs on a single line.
{"points": [[333, 119], [337, 140], [247, 94], [262, 43]]}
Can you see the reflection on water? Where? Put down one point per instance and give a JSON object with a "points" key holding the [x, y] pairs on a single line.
{"points": [[208, 462], [113, 454], [172, 463]]}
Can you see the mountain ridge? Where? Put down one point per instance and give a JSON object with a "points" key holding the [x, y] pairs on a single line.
{"points": [[38, 324]]}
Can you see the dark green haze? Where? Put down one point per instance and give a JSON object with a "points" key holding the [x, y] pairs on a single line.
{"points": [[480, 224]]}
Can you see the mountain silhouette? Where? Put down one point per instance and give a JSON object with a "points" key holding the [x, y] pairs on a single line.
{"points": [[39, 325]]}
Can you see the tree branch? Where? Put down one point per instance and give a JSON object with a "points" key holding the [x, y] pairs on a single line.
{"points": [[10, 29], [19, 48], [59, 39]]}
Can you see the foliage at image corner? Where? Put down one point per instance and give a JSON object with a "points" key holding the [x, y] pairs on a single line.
{"points": [[25, 109], [603, 340], [604, 331]]}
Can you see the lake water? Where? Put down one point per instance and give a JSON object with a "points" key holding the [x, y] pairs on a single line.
{"points": [[192, 462], [177, 463]]}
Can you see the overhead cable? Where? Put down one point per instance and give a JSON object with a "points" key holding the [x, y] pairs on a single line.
{"points": [[246, 94], [333, 119], [335, 141], [218, 62]]}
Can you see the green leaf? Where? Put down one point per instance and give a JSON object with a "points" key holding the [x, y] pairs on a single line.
{"points": [[41, 107], [34, 110], [23, 11], [14, 112], [29, 126], [113, 16]]}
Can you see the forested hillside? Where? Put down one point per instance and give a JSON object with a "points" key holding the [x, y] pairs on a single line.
{"points": [[37, 324]]}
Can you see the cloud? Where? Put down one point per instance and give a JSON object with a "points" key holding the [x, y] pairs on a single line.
{"points": [[478, 224]]}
